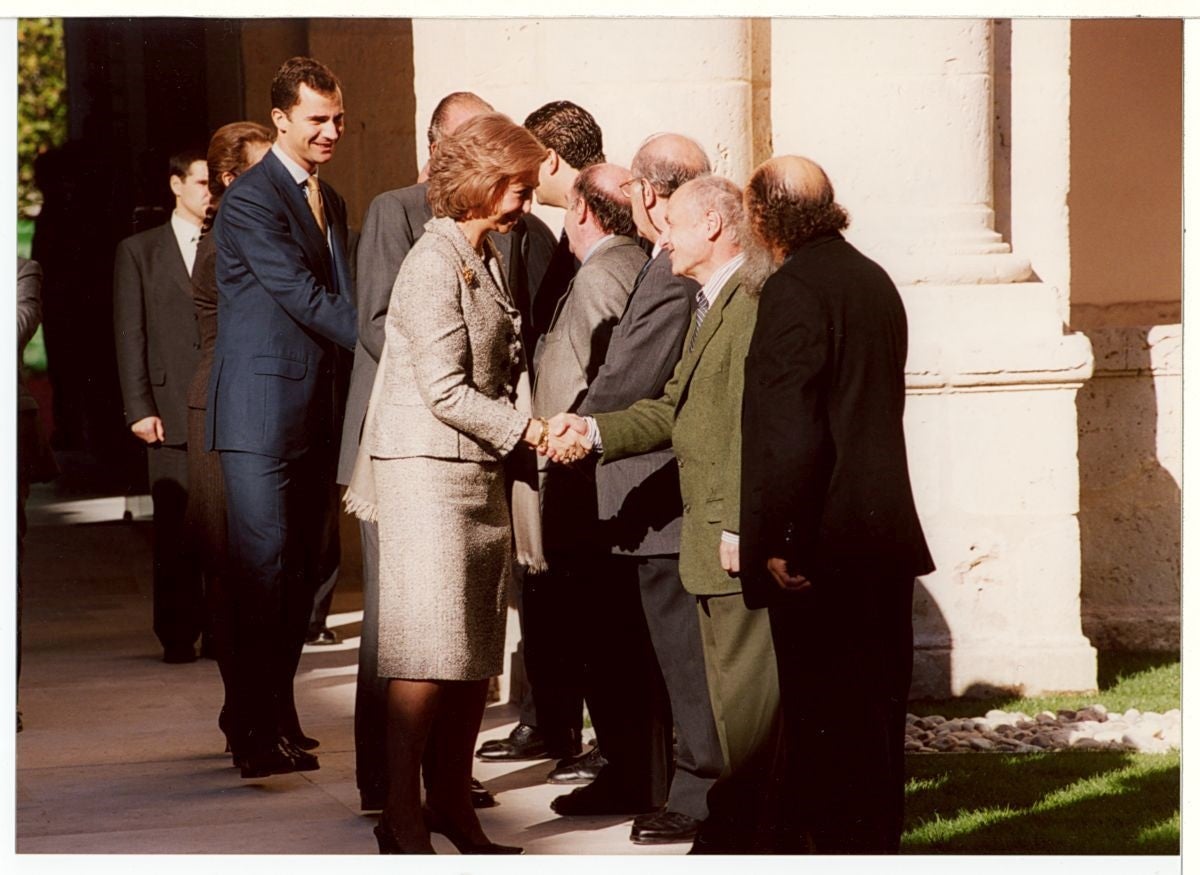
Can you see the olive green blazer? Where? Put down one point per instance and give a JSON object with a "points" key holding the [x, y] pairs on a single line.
{"points": [[699, 415]]}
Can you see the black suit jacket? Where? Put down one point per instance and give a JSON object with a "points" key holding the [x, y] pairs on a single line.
{"points": [[285, 316], [156, 340], [395, 220], [824, 469]]}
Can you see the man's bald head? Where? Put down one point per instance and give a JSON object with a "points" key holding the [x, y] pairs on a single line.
{"points": [[451, 111], [667, 161], [790, 200], [599, 187]]}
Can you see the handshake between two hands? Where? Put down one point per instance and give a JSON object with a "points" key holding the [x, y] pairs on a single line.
{"points": [[567, 441]]}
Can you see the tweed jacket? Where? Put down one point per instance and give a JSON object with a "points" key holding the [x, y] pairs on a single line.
{"points": [[699, 415], [396, 220], [453, 357]]}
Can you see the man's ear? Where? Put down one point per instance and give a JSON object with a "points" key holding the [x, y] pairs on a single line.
{"points": [[552, 160], [712, 224], [176, 185], [280, 118]]}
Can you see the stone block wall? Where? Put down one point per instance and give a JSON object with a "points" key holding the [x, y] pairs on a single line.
{"points": [[1130, 473]]}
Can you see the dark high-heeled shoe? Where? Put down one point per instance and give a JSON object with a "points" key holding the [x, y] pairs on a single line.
{"points": [[461, 842], [389, 844]]}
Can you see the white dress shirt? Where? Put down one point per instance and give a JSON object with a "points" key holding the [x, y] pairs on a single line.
{"points": [[187, 236]]}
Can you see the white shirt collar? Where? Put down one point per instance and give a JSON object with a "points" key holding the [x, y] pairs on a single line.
{"points": [[184, 230], [721, 276], [657, 249], [594, 247], [298, 173]]}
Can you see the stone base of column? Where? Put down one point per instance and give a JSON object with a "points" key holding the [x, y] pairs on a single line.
{"points": [[992, 436], [998, 668]]}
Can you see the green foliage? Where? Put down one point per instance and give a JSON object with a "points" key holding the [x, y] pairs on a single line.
{"points": [[1146, 681], [41, 101], [1052, 803]]}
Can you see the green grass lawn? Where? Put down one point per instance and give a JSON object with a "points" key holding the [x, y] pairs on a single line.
{"points": [[1067, 802]]}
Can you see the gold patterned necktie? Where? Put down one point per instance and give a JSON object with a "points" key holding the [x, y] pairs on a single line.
{"points": [[314, 201]]}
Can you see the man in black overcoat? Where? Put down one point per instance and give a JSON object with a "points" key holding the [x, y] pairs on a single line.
{"points": [[830, 539]]}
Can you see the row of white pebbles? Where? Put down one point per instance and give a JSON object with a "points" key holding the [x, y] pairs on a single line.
{"points": [[1091, 728]]}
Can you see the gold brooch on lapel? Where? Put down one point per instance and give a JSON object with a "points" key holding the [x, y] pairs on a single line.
{"points": [[468, 276]]}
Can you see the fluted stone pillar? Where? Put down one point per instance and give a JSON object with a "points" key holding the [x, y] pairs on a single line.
{"points": [[699, 77], [900, 113]]}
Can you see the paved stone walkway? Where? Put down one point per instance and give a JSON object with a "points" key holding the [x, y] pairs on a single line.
{"points": [[121, 752]]}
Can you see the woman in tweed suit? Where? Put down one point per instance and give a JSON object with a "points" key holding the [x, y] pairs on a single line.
{"points": [[445, 422]]}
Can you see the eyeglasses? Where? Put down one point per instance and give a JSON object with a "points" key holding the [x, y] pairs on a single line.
{"points": [[627, 186]]}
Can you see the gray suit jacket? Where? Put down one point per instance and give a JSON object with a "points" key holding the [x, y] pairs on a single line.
{"points": [[568, 358], [453, 358], [155, 323], [395, 220], [570, 353], [639, 504]]}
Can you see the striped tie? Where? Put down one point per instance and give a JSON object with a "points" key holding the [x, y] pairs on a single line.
{"points": [[701, 312]]}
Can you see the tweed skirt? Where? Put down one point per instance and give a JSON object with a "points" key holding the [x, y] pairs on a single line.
{"points": [[445, 561]]}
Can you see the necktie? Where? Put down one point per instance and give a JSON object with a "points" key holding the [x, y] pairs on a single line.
{"points": [[189, 255], [314, 201], [642, 273], [701, 312]]}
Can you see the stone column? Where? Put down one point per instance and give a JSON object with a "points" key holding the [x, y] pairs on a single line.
{"points": [[636, 76], [900, 113]]}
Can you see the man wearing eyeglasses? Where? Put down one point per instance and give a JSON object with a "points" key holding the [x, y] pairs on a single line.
{"points": [[639, 502]]}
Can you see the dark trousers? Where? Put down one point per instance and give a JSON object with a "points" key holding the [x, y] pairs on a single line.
{"points": [[279, 513], [552, 658], [844, 651], [179, 611], [620, 678], [674, 627], [370, 693]]}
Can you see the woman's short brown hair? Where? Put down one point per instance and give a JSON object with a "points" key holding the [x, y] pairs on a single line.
{"points": [[474, 165]]}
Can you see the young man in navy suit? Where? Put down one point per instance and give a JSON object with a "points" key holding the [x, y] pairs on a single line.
{"points": [[287, 324], [157, 350]]}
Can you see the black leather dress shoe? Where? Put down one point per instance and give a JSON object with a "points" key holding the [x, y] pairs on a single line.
{"points": [[663, 828], [278, 758], [322, 636], [177, 654], [523, 743], [302, 741], [588, 800], [582, 769], [481, 797]]}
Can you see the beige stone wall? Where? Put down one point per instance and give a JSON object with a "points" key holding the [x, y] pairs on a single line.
{"points": [[706, 85], [1130, 464], [378, 148]]}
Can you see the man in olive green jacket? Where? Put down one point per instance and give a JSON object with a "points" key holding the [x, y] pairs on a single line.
{"points": [[699, 415]]}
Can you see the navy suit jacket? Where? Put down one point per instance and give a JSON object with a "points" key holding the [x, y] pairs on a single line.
{"points": [[285, 317]]}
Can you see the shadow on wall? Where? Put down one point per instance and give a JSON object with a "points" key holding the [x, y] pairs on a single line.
{"points": [[932, 644], [1130, 455]]}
